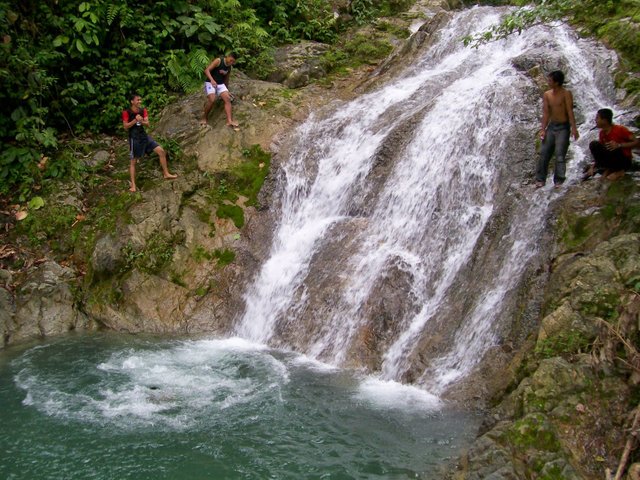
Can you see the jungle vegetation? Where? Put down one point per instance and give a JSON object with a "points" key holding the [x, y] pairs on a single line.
{"points": [[67, 67]]}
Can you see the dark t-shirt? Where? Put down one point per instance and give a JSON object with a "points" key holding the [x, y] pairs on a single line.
{"points": [[136, 132], [220, 72]]}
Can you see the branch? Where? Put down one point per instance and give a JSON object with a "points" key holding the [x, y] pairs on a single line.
{"points": [[629, 445]]}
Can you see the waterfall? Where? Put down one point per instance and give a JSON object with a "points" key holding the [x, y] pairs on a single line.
{"points": [[406, 221]]}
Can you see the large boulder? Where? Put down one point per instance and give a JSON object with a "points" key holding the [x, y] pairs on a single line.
{"points": [[298, 64], [45, 304], [263, 109], [147, 303], [571, 387]]}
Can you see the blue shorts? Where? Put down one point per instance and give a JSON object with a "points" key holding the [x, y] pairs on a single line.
{"points": [[138, 147]]}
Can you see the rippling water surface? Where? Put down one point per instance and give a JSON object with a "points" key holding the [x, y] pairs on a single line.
{"points": [[113, 407]]}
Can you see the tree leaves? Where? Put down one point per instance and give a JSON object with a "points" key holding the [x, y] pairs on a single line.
{"points": [[55, 55], [539, 12]]}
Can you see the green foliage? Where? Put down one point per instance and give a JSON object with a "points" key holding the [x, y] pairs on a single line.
{"points": [[358, 50], [362, 10], [365, 49], [249, 176], [564, 343], [591, 13], [577, 232], [233, 212], [157, 253], [399, 32], [224, 257], [186, 69], [69, 66], [48, 224], [534, 431], [177, 279], [365, 10], [603, 304], [634, 284], [110, 209], [245, 179], [288, 20], [200, 254]]}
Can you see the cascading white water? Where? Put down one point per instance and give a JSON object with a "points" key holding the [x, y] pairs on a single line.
{"points": [[428, 215]]}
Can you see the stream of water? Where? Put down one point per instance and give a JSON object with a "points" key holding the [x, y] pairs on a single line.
{"points": [[453, 172], [407, 179]]}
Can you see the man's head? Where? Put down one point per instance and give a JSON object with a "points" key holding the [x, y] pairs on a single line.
{"points": [[556, 77], [135, 100], [230, 59], [604, 118]]}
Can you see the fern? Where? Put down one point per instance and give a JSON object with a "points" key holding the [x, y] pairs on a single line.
{"points": [[198, 60], [185, 71], [112, 13]]}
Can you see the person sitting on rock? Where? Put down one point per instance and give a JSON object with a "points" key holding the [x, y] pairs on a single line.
{"points": [[134, 119], [216, 84], [612, 151]]}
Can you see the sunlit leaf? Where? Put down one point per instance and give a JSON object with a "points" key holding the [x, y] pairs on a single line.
{"points": [[36, 203]]}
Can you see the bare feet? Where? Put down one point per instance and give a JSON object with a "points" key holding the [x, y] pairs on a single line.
{"points": [[132, 188], [233, 124], [615, 175], [203, 123], [170, 176]]}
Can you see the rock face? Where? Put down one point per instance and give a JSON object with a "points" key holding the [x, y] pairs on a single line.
{"points": [[263, 110], [297, 65], [571, 387], [43, 306], [156, 272]]}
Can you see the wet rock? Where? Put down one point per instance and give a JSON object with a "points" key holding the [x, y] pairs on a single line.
{"points": [[107, 256], [148, 304], [418, 42], [47, 296], [157, 213], [578, 405], [564, 319]]}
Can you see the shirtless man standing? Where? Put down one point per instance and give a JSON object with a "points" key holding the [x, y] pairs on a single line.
{"points": [[557, 120]]}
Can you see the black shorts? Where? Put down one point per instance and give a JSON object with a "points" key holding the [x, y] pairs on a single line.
{"points": [[138, 147]]}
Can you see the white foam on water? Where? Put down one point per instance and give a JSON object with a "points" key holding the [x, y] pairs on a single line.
{"points": [[387, 394], [172, 385], [313, 364]]}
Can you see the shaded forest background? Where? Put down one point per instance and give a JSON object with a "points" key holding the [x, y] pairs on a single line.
{"points": [[67, 67]]}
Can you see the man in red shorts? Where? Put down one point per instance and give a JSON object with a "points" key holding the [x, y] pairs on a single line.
{"points": [[612, 151], [134, 119]]}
